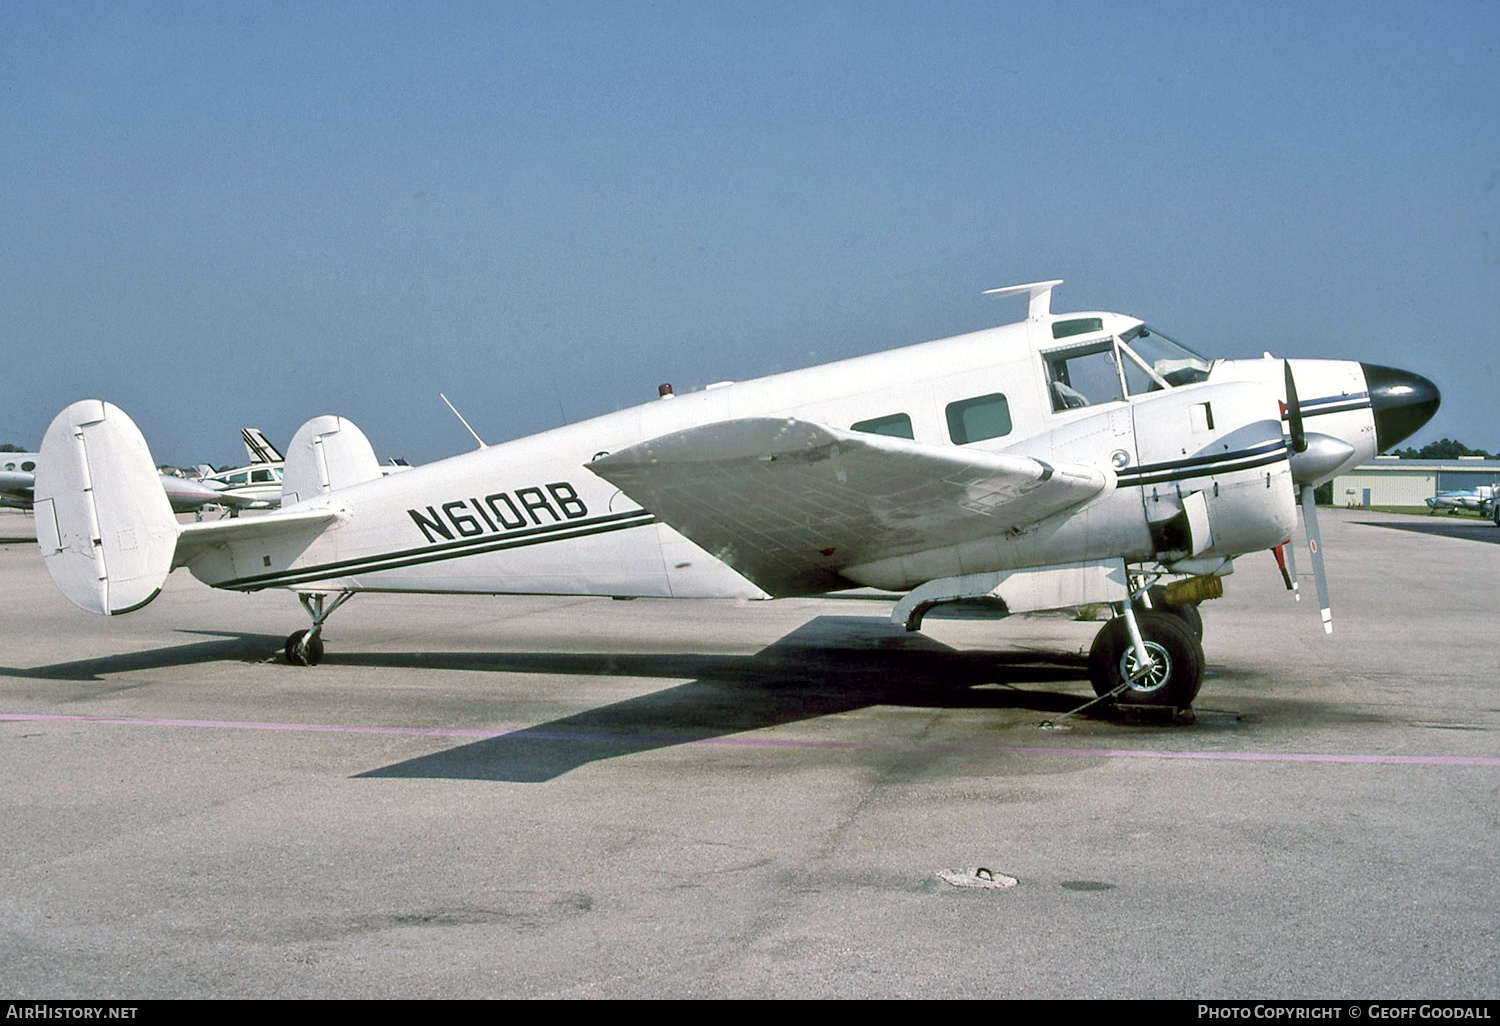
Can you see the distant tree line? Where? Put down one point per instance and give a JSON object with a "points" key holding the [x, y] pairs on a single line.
{"points": [[7, 447], [1442, 449]]}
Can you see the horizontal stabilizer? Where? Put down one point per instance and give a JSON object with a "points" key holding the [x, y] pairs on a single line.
{"points": [[791, 504], [103, 522], [327, 453], [278, 527]]}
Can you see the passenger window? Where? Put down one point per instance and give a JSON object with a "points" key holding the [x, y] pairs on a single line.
{"points": [[897, 425], [260, 476], [974, 420], [1084, 376], [28, 466]]}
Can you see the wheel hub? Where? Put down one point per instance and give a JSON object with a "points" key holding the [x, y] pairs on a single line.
{"points": [[1156, 678]]}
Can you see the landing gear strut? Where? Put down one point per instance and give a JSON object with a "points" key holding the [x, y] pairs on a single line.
{"points": [[305, 648]]}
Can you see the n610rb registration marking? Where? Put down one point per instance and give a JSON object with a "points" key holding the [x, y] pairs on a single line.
{"points": [[499, 512]]}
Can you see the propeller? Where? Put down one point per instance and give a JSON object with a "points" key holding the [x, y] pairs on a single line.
{"points": [[1315, 548], [1294, 411], [1312, 457]]}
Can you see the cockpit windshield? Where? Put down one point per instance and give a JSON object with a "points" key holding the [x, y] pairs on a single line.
{"points": [[1112, 368], [1170, 361]]}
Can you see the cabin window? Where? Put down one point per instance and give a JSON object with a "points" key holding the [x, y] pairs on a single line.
{"points": [[262, 476], [897, 425], [974, 420], [28, 466], [1084, 375]]}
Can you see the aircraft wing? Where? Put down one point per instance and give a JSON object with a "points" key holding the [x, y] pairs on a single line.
{"points": [[788, 503], [17, 482]]}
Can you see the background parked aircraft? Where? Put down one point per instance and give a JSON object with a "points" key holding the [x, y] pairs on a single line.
{"points": [[18, 481], [1476, 499]]}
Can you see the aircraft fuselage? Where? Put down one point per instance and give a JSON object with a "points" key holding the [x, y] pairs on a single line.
{"points": [[1201, 473]]}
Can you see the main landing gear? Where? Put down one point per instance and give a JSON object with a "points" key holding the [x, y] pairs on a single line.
{"points": [[1172, 670], [305, 648]]}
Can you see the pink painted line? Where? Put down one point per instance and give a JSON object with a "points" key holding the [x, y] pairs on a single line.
{"points": [[746, 741], [1379, 760], [316, 728]]}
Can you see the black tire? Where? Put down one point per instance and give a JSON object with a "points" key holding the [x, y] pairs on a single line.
{"points": [[1187, 612], [294, 649], [1179, 658]]}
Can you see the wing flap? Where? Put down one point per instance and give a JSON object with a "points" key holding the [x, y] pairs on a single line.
{"points": [[789, 503]]}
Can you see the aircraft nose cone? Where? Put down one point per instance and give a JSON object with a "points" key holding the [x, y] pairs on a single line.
{"points": [[1402, 402]]}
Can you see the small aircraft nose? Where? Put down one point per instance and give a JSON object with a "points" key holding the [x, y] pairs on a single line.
{"points": [[1402, 402]]}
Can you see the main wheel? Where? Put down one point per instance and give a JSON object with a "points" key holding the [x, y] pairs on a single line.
{"points": [[303, 655], [1187, 612], [1177, 656]]}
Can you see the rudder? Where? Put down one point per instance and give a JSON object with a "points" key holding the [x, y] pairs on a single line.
{"points": [[103, 522]]}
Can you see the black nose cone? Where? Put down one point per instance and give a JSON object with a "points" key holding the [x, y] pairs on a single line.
{"points": [[1402, 402]]}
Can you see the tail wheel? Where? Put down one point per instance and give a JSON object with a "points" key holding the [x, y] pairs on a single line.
{"points": [[300, 654], [1176, 655]]}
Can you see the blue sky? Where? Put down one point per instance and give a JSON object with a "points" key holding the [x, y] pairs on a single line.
{"points": [[238, 213]]}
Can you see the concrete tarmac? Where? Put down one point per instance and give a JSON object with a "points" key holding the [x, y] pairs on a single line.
{"points": [[554, 797]]}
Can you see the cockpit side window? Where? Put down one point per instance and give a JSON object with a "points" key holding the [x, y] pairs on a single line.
{"points": [[1084, 375]]}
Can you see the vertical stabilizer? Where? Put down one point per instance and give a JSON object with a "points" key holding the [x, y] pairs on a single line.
{"points": [[259, 448], [103, 522], [326, 453]]}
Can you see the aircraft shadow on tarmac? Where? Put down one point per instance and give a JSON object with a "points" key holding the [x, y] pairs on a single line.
{"points": [[222, 645], [830, 665], [1445, 527]]}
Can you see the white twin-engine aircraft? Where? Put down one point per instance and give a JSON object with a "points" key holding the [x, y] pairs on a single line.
{"points": [[1064, 460]]}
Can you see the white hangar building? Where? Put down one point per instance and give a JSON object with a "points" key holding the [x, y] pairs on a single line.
{"points": [[1389, 481]]}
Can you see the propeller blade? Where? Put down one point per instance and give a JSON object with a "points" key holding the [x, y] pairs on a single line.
{"points": [[1315, 547], [1294, 411]]}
